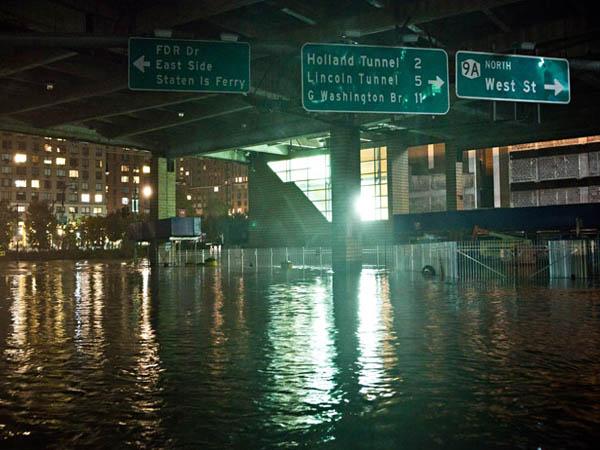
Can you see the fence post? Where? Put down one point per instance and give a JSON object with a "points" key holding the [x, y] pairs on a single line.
{"points": [[271, 249], [256, 258], [303, 258]]}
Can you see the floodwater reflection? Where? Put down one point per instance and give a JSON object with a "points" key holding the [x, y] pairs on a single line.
{"points": [[112, 355]]}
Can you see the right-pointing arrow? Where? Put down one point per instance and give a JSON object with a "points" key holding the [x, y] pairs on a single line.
{"points": [[141, 63], [438, 82], [556, 87]]}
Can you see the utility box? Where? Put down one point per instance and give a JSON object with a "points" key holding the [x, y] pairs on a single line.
{"points": [[165, 229]]}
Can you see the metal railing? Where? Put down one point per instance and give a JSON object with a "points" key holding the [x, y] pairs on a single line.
{"points": [[474, 260]]}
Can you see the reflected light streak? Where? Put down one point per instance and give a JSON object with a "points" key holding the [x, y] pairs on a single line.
{"points": [[302, 367], [375, 336]]}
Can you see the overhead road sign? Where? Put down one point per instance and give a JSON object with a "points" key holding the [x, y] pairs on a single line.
{"points": [[374, 79], [515, 78], [188, 65]]}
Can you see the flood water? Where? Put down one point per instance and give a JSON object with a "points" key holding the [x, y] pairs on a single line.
{"points": [[115, 355]]}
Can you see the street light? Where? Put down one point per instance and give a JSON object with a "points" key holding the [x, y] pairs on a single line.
{"points": [[147, 191]]}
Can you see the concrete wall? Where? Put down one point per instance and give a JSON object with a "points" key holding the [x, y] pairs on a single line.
{"points": [[280, 213]]}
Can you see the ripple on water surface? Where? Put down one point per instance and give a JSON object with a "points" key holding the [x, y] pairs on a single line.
{"points": [[114, 355]]}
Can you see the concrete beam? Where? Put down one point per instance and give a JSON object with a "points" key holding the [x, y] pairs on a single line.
{"points": [[172, 122], [72, 132], [26, 60], [496, 20], [54, 98], [276, 149], [552, 31], [415, 12], [229, 155], [128, 103], [185, 11], [42, 15], [272, 129]]}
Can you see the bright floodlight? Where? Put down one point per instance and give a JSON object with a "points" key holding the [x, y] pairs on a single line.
{"points": [[365, 207], [147, 191]]}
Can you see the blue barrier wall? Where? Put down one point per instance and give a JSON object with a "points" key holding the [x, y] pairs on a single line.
{"points": [[500, 219]]}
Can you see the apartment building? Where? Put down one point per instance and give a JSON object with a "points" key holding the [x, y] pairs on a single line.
{"points": [[128, 183], [211, 184], [78, 179]]}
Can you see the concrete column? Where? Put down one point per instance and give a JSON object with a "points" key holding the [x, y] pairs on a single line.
{"points": [[453, 177], [162, 205], [501, 182], [398, 172], [162, 202], [345, 191]]}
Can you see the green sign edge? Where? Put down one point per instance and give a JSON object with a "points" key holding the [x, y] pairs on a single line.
{"points": [[247, 44], [505, 99], [375, 112]]}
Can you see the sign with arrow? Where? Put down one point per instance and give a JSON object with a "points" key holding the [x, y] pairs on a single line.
{"points": [[515, 78], [374, 79], [188, 65]]}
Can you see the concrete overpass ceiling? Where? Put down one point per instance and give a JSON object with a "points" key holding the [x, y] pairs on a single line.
{"points": [[64, 68]]}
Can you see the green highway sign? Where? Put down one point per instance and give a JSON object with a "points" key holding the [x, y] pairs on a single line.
{"points": [[515, 78], [188, 65], [374, 79]]}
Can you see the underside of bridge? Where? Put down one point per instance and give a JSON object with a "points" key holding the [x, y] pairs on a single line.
{"points": [[64, 73]]}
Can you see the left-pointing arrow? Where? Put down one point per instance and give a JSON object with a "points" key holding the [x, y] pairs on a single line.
{"points": [[438, 82], [141, 63]]}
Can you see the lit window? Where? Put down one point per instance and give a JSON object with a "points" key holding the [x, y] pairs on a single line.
{"points": [[124, 168], [189, 197], [47, 161], [98, 198], [311, 175], [73, 173], [147, 191], [47, 147], [97, 210], [145, 169], [124, 179], [187, 173], [373, 201], [35, 183], [216, 189], [20, 209], [20, 158], [125, 201], [21, 183], [61, 161], [136, 179], [85, 198]]}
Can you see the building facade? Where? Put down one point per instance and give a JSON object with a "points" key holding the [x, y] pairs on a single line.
{"points": [[78, 179], [128, 183], [212, 186]]}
